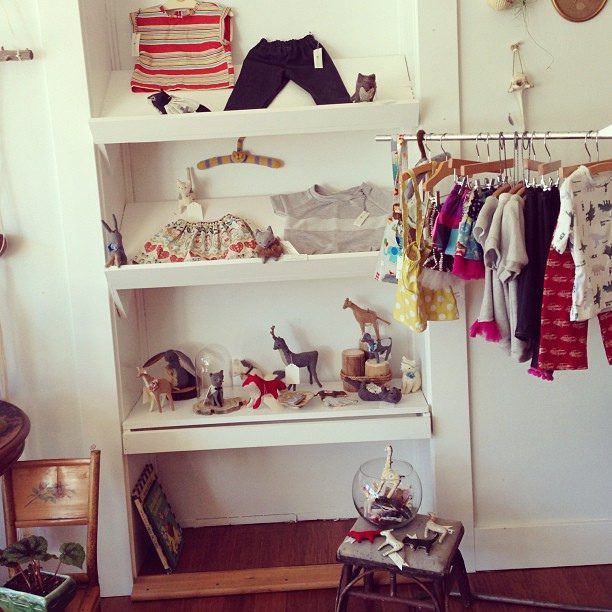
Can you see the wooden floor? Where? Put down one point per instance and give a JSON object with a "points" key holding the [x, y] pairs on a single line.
{"points": [[315, 542]]}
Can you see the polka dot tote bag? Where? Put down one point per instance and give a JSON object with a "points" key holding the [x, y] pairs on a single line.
{"points": [[415, 303]]}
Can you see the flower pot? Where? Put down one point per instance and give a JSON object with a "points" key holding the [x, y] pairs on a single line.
{"points": [[14, 600]]}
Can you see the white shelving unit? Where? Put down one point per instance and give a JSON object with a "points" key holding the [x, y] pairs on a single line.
{"points": [[136, 145]]}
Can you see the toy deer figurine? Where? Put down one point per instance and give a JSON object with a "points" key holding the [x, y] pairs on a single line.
{"points": [[390, 540], [365, 316], [434, 527], [154, 389], [307, 359]]}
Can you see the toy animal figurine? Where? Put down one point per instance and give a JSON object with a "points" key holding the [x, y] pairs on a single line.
{"points": [[369, 392], [268, 245], [377, 348], [368, 534], [216, 388], [167, 104], [434, 527], [415, 542], [390, 540], [327, 393], [411, 377], [265, 386], [186, 194], [154, 390], [114, 246], [178, 366], [307, 359], [365, 316], [365, 88], [389, 478]]}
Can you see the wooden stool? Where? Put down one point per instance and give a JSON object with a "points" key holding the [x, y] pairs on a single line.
{"points": [[434, 573]]}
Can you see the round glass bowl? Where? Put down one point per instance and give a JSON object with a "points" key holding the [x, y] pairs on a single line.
{"points": [[387, 498]]}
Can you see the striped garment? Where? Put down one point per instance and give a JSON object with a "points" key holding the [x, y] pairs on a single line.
{"points": [[188, 49]]}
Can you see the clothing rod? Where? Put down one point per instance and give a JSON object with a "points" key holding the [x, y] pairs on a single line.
{"points": [[482, 137]]}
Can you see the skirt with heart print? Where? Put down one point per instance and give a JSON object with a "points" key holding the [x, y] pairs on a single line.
{"points": [[227, 238]]}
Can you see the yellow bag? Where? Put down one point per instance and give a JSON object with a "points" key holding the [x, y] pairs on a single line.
{"points": [[415, 304]]}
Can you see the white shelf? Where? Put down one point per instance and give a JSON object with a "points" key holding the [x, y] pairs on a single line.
{"points": [[315, 423], [237, 271], [129, 117], [142, 220]]}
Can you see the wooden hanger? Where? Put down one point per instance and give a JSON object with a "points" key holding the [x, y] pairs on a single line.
{"points": [[605, 165], [240, 157], [490, 166], [565, 171], [444, 170], [177, 5]]}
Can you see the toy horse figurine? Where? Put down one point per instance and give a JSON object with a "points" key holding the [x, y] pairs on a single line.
{"points": [[265, 386], [155, 389], [365, 316]]}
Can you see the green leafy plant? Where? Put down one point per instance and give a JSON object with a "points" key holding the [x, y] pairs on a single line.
{"points": [[28, 554]]}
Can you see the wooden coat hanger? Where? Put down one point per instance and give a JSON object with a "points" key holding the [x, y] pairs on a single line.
{"points": [[239, 156], [490, 166], [594, 167], [177, 5], [542, 168]]}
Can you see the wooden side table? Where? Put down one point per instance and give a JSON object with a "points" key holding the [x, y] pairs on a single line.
{"points": [[14, 429], [434, 573]]}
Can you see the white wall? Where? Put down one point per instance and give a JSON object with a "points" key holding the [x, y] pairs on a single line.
{"points": [[539, 449]]}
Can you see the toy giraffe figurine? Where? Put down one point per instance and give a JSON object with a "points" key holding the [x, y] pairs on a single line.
{"points": [[365, 316], [389, 477]]}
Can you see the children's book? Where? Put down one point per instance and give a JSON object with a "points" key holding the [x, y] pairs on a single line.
{"points": [[158, 518]]}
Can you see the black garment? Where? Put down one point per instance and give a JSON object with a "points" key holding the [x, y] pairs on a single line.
{"points": [[269, 66], [540, 215]]}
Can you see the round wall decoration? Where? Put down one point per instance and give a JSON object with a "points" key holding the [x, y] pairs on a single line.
{"points": [[579, 10]]}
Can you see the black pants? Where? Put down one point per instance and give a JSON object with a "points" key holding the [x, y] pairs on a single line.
{"points": [[269, 66]]}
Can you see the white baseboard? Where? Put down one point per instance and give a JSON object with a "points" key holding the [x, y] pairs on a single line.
{"points": [[239, 520], [556, 545]]}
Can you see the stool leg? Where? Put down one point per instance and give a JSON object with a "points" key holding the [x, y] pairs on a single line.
{"points": [[345, 577], [392, 584], [440, 594], [461, 576]]}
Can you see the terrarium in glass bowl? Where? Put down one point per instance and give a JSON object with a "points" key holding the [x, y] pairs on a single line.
{"points": [[387, 492]]}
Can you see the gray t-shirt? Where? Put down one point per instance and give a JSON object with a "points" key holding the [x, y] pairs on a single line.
{"points": [[319, 221]]}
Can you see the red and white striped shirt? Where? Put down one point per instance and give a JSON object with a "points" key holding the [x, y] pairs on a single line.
{"points": [[186, 49]]}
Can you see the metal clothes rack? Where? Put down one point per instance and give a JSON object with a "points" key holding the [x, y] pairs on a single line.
{"points": [[496, 136]]}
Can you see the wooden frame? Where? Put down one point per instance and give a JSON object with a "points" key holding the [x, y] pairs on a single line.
{"points": [[70, 498], [568, 9]]}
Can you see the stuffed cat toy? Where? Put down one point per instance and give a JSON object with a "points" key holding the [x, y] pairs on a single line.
{"points": [[167, 104], [365, 88], [268, 245], [411, 377]]}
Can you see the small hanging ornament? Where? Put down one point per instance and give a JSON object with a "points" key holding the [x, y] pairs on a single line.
{"points": [[500, 5], [520, 82]]}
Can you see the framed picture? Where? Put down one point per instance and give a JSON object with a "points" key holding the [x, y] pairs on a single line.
{"points": [[159, 520], [579, 10]]}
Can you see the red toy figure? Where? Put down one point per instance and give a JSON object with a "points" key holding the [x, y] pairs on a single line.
{"points": [[359, 536], [265, 386]]}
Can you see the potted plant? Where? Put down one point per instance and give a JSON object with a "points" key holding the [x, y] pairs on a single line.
{"points": [[33, 588]]}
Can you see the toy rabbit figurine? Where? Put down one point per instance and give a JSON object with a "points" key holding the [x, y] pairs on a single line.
{"points": [[114, 247]]}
